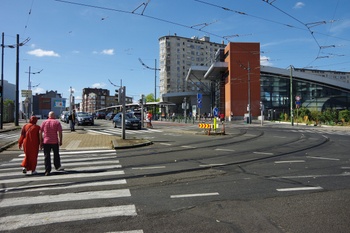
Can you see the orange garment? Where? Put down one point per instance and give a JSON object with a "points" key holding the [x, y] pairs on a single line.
{"points": [[30, 139]]}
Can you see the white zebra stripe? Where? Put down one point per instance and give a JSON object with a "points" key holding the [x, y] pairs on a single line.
{"points": [[16, 222], [63, 175], [81, 196]]}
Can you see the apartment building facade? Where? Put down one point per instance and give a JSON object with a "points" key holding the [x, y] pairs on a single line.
{"points": [[176, 56]]}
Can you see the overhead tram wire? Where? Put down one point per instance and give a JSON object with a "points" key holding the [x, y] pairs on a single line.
{"points": [[307, 25], [249, 15], [143, 15], [29, 15]]}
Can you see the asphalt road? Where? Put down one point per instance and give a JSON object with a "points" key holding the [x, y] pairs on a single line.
{"points": [[273, 178]]}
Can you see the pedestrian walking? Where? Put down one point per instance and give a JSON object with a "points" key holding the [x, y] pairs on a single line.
{"points": [[30, 140], [149, 120], [72, 118], [52, 140]]}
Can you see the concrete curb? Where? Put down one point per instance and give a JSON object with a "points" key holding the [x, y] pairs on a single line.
{"points": [[130, 143]]}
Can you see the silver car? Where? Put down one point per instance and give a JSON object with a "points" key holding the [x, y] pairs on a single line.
{"points": [[84, 118]]}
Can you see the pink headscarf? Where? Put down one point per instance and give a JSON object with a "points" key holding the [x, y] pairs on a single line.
{"points": [[33, 120]]}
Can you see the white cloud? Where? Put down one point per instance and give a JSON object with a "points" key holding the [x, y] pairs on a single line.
{"points": [[43, 53], [98, 85], [299, 5], [265, 61], [108, 51], [38, 90]]}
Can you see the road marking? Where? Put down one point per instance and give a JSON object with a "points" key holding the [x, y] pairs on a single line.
{"points": [[67, 185], [262, 153], [345, 167], [147, 168], [322, 158], [16, 221], [165, 144], [299, 189], [191, 147], [68, 169], [311, 176], [67, 159], [222, 149], [249, 135], [135, 231], [291, 161], [98, 132], [18, 201], [212, 165], [194, 195], [63, 175]]}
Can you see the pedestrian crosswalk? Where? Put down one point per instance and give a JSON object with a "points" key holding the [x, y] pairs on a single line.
{"points": [[89, 177], [118, 131]]}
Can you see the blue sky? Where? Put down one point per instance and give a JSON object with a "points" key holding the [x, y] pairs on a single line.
{"points": [[89, 43]]}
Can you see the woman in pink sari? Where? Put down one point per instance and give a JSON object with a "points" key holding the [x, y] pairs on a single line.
{"points": [[30, 139]]}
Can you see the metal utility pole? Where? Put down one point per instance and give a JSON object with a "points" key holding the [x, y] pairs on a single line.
{"points": [[122, 93], [17, 82], [2, 83], [121, 99], [155, 75], [291, 96], [249, 104], [30, 97]]}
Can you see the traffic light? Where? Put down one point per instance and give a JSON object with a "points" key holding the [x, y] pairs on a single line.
{"points": [[116, 94]]}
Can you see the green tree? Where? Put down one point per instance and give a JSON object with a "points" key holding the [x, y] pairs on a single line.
{"points": [[150, 98]]}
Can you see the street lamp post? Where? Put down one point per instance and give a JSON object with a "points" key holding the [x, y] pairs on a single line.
{"points": [[291, 95], [17, 76], [155, 75], [155, 80], [2, 79]]}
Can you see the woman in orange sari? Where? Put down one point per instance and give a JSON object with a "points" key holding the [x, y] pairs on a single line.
{"points": [[30, 139]]}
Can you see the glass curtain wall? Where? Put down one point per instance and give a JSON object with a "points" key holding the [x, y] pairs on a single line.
{"points": [[275, 95]]}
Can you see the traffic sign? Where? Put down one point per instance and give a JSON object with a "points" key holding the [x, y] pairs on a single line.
{"points": [[199, 100], [216, 112], [205, 126]]}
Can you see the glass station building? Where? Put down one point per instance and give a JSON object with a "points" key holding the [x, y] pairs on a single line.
{"points": [[240, 85]]}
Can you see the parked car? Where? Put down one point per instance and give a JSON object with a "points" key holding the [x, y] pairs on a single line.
{"points": [[84, 118], [131, 121], [63, 116], [110, 116], [100, 115]]}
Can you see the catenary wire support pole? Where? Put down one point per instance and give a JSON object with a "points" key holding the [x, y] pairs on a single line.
{"points": [[291, 96], [155, 79], [249, 104], [155, 75], [30, 98], [2, 83], [17, 78], [17, 82], [2, 75]]}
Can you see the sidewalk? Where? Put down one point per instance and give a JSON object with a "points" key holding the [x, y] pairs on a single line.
{"points": [[79, 140]]}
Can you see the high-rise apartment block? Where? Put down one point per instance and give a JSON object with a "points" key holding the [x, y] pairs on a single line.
{"points": [[177, 55]]}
